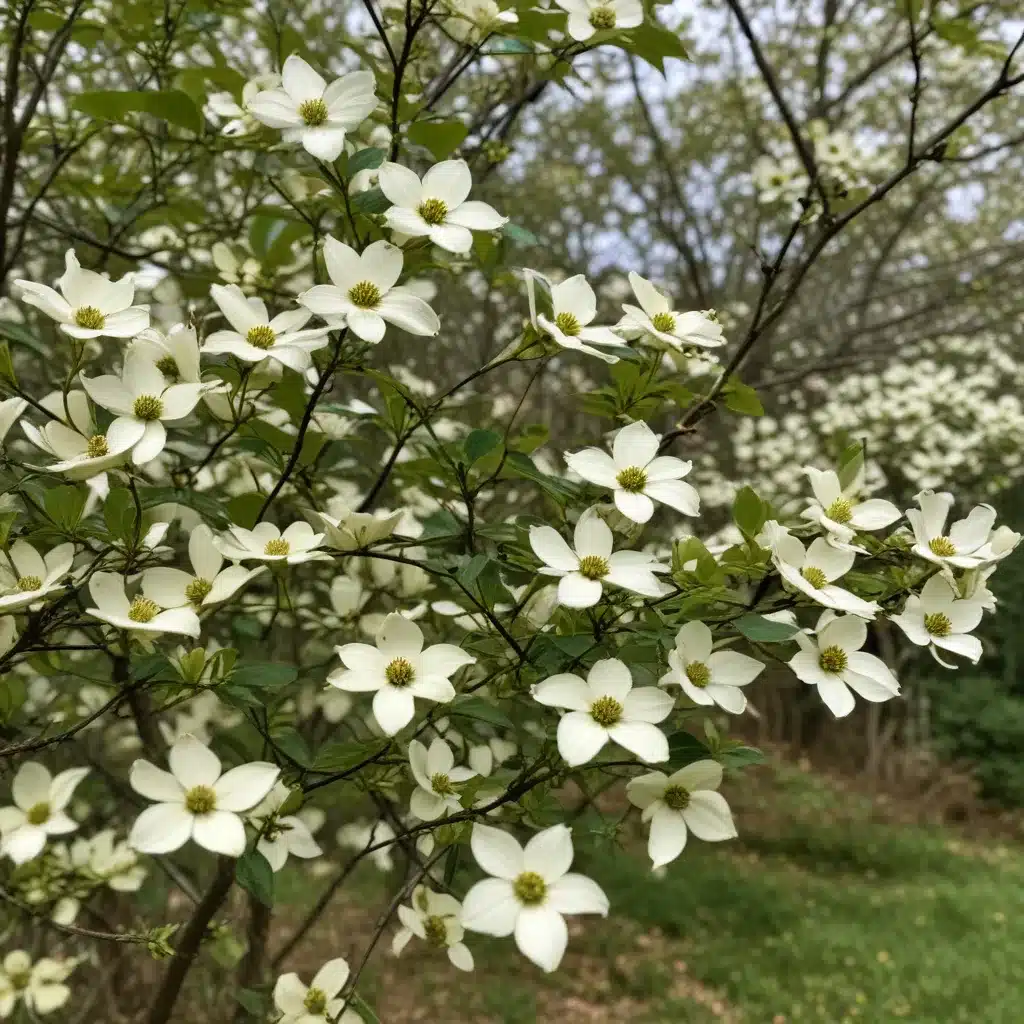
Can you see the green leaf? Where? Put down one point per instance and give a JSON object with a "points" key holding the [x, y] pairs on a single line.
{"points": [[119, 513], [172, 105], [6, 364], [767, 631], [684, 748], [519, 236], [340, 757], [254, 874], [264, 674], [364, 1009], [252, 1002], [472, 706], [442, 138], [13, 693], [511, 46], [749, 511], [19, 334], [480, 443], [244, 508], [65, 505], [366, 160], [370, 201], [652, 43], [740, 756], [290, 743], [850, 465], [742, 398]]}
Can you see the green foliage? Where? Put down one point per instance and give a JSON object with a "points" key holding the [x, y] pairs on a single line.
{"points": [[173, 106], [254, 874]]}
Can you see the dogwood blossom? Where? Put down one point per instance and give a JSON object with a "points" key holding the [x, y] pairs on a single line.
{"points": [[10, 410], [637, 475], [111, 860], [38, 812], [27, 577], [437, 206], [265, 542], [312, 113], [397, 670], [319, 1001], [709, 677], [655, 318], [349, 530], [839, 512], [472, 20], [38, 986], [238, 118], [939, 618], [436, 776], [140, 615], [589, 16], [175, 354], [143, 402], [436, 918], [281, 836], [573, 307], [606, 707], [209, 582], [88, 304], [832, 660], [685, 801], [196, 800], [590, 563], [256, 336], [364, 292], [529, 891], [963, 547]]}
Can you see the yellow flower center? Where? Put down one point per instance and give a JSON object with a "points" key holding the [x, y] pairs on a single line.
{"points": [[840, 511], [97, 447], [198, 589], [568, 324], [606, 711], [433, 211], [315, 1001], [90, 318], [632, 479], [399, 672], [38, 813], [603, 18], [593, 567], [142, 609], [261, 336], [436, 930], [938, 624], [313, 112], [200, 800], [699, 674], [29, 583], [278, 547], [20, 980], [168, 366], [530, 889], [365, 295], [148, 408], [664, 322], [441, 784], [942, 546], [677, 798], [814, 576], [833, 660]]}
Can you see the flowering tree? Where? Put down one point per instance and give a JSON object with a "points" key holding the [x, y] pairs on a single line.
{"points": [[214, 635]]}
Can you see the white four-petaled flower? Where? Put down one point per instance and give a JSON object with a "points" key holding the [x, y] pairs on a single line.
{"points": [[637, 475], [284, 835], [939, 618], [27, 577], [840, 512], [39, 811], [40, 985], [436, 918], [196, 800], [573, 307], [658, 320], [265, 542], [964, 546], [589, 16], [141, 614], [606, 707], [436, 776], [318, 1001]]}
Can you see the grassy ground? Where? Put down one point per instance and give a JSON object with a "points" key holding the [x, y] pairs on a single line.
{"points": [[819, 913]]}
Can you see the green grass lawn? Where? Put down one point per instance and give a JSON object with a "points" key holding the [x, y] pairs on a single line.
{"points": [[817, 914]]}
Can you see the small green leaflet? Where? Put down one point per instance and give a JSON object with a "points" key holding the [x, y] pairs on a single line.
{"points": [[766, 631]]}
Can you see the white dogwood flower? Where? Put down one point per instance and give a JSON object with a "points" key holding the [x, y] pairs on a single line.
{"points": [[472, 20], [111, 860], [573, 307], [38, 986], [349, 530], [40, 800], [437, 206], [237, 117], [209, 582], [436, 918], [265, 542], [256, 336], [814, 569], [140, 615], [318, 1001], [27, 577], [196, 800], [312, 113], [529, 891], [397, 670], [637, 475], [589, 16], [685, 801], [832, 660], [143, 402], [281, 836], [655, 318], [10, 410], [175, 354], [88, 305], [364, 292], [709, 677], [606, 707], [585, 570], [963, 547], [938, 618], [436, 776], [839, 512]]}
